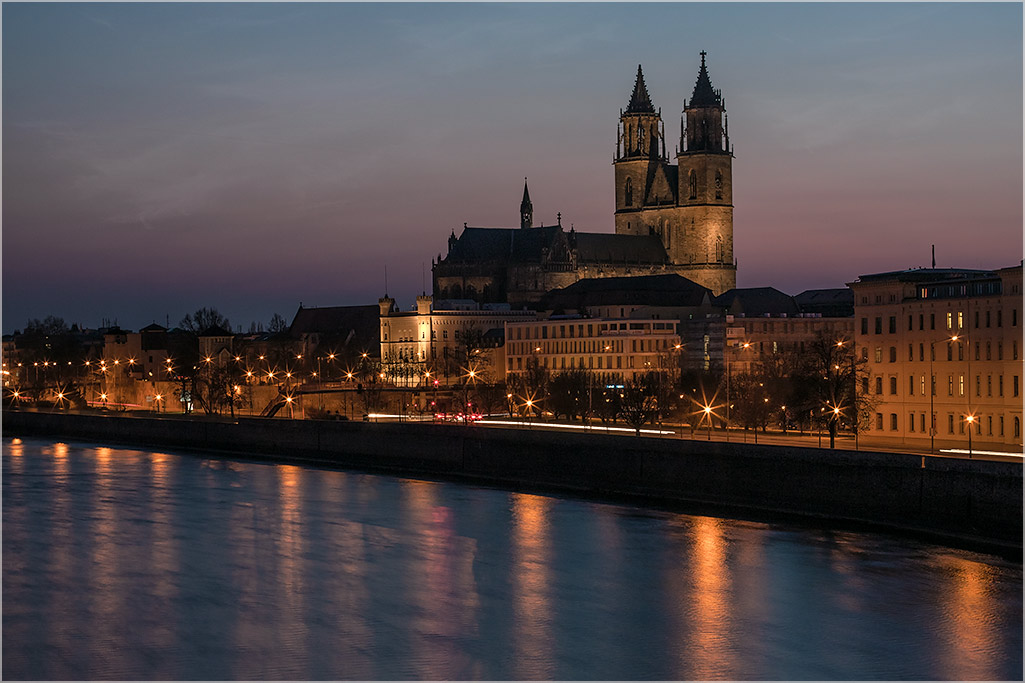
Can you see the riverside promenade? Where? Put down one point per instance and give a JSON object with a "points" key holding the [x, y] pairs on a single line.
{"points": [[968, 503]]}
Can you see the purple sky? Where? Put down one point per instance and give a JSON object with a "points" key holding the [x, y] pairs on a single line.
{"points": [[162, 157]]}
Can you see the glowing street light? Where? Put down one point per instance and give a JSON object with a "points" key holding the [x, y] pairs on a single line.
{"points": [[970, 419]]}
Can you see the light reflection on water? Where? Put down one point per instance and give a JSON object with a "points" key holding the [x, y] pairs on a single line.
{"points": [[133, 564]]}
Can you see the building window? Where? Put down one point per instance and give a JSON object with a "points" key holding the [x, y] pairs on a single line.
{"points": [[1000, 323], [921, 321], [879, 325], [911, 385], [960, 385], [950, 423], [989, 425], [1000, 385], [628, 199], [1000, 350], [893, 324], [893, 422], [960, 320], [978, 346], [950, 320], [879, 354], [693, 182], [864, 325], [911, 422], [950, 385], [1017, 427], [879, 421], [718, 184], [879, 385], [987, 318], [893, 386], [911, 322], [1001, 425], [932, 321], [911, 352], [893, 354], [989, 385], [1014, 385], [978, 386], [933, 385]]}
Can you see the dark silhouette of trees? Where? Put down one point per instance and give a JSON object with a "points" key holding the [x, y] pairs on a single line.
{"points": [[202, 319]]}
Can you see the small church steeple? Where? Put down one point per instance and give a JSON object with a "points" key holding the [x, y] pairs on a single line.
{"points": [[526, 208]]}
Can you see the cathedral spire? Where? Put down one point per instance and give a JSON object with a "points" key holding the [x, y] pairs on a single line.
{"points": [[704, 94], [526, 208], [640, 103]]}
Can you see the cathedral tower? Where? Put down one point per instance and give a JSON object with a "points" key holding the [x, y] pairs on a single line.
{"points": [[640, 154], [705, 191]]}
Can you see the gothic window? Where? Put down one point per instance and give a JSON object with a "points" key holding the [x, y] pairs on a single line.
{"points": [[640, 137], [719, 255], [693, 180], [718, 184], [629, 200]]}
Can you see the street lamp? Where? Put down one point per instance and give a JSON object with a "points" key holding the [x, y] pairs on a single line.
{"points": [[970, 419], [932, 392], [745, 345], [708, 415]]}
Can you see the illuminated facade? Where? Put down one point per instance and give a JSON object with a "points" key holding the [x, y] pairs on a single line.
{"points": [[441, 342], [946, 342], [613, 351]]}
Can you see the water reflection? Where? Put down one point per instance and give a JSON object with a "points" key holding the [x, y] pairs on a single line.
{"points": [[531, 558], [970, 621], [129, 565]]}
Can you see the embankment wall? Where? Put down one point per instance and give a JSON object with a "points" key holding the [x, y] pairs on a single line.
{"points": [[949, 497]]}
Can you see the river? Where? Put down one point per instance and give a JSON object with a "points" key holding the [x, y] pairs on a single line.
{"points": [[134, 564]]}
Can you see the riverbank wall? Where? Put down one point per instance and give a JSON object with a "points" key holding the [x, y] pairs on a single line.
{"points": [[945, 497]]}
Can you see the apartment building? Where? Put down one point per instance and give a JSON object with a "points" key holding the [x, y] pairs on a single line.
{"points": [[613, 351], [944, 354]]}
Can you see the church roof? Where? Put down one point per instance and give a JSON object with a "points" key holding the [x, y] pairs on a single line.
{"points": [[704, 94], [609, 248], [502, 245], [647, 290], [640, 103], [756, 301]]}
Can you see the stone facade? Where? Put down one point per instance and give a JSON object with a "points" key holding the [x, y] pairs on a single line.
{"points": [[689, 207]]}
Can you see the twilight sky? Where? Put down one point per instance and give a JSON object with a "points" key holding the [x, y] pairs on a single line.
{"points": [[162, 157]]}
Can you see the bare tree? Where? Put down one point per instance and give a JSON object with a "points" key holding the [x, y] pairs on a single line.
{"points": [[639, 400], [277, 324], [203, 319]]}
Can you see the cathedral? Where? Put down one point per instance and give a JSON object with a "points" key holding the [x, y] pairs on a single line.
{"points": [[670, 218]]}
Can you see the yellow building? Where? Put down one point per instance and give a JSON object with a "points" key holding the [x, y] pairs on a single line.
{"points": [[613, 351], [945, 343], [443, 342]]}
